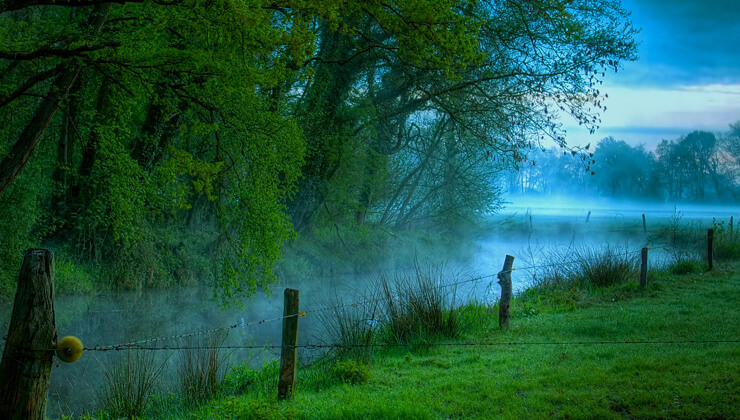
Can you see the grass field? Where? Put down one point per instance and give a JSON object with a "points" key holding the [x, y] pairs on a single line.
{"points": [[669, 377]]}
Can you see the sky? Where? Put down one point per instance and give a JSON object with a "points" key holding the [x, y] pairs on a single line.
{"points": [[687, 76]]}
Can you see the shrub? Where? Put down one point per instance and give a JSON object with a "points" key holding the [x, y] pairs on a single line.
{"points": [[679, 239]]}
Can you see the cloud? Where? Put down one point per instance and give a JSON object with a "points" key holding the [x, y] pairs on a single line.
{"points": [[684, 42], [648, 115]]}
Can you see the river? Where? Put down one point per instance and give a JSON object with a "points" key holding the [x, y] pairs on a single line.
{"points": [[528, 229]]}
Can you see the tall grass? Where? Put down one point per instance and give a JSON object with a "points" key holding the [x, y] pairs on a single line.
{"points": [[130, 385], [200, 368], [408, 309], [417, 306], [565, 277], [352, 329], [605, 267], [681, 241]]}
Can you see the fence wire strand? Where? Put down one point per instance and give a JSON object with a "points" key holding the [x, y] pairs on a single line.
{"points": [[142, 344]]}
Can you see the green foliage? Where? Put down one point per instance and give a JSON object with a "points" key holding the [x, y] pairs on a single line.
{"points": [[72, 278], [684, 267], [350, 372], [198, 136], [726, 242], [260, 383], [24, 220]]}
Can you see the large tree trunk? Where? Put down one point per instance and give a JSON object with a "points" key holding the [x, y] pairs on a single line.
{"points": [[12, 165]]}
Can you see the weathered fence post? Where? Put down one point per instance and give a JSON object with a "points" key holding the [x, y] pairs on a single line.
{"points": [[710, 239], [732, 233], [25, 369], [644, 224], [504, 304], [643, 267], [588, 216], [286, 383]]}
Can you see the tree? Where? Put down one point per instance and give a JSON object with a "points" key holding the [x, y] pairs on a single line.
{"points": [[623, 170], [515, 65], [242, 117], [687, 164]]}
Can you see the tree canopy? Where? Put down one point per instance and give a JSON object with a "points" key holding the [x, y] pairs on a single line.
{"points": [[153, 134]]}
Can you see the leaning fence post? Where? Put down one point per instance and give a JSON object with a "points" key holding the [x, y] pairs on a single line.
{"points": [[643, 267], [504, 303], [25, 369], [710, 239], [286, 383], [644, 224]]}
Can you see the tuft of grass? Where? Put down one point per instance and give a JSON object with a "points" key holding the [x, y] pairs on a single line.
{"points": [[606, 267], [200, 369], [130, 385], [417, 307], [565, 279], [352, 329]]}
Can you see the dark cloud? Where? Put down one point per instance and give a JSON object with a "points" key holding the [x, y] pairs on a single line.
{"points": [[685, 42]]}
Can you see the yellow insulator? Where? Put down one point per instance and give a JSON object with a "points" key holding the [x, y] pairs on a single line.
{"points": [[69, 349]]}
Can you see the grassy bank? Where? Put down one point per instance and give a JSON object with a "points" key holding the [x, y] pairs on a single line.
{"points": [[666, 378]]}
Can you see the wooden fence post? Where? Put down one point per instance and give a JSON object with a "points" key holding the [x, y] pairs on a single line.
{"points": [[710, 239], [286, 383], [732, 233], [643, 267], [504, 303], [644, 224], [25, 369]]}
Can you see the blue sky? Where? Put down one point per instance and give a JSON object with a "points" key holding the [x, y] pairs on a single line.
{"points": [[687, 76]]}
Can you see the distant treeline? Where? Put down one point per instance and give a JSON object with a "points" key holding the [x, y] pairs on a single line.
{"points": [[700, 166]]}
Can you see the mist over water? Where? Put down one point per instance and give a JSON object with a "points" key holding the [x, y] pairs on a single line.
{"points": [[529, 228]]}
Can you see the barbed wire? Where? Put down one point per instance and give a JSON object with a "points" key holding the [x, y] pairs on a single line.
{"points": [[138, 343], [310, 346], [429, 345], [141, 344]]}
